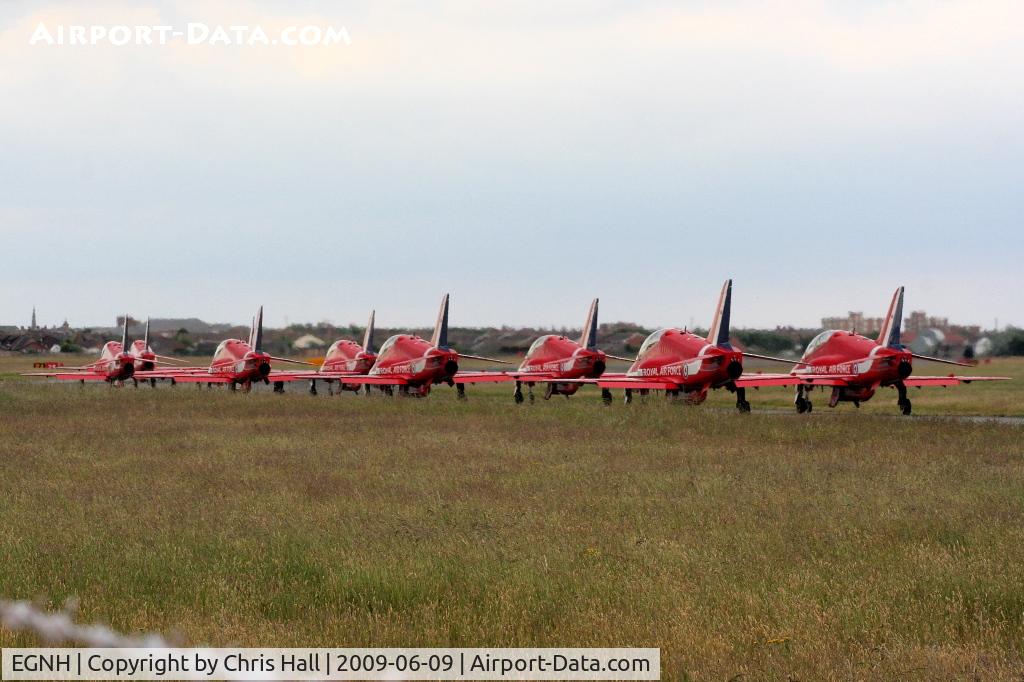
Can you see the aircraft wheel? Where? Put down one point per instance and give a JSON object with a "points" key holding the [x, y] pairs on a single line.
{"points": [[606, 396], [518, 395], [810, 406], [460, 390], [802, 405], [312, 387], [743, 406], [905, 406], [627, 397], [278, 387], [549, 391], [152, 383]]}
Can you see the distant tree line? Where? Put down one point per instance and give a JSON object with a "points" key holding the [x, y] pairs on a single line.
{"points": [[1010, 341]]}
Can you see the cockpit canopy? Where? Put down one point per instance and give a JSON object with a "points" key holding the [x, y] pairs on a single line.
{"points": [[536, 345], [650, 341], [389, 344], [820, 339]]}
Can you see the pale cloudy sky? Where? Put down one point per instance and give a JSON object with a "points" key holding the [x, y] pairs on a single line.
{"points": [[524, 156]]}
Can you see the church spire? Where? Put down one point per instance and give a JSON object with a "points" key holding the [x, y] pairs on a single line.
{"points": [[34, 318]]}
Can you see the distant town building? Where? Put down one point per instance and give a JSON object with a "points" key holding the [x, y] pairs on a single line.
{"points": [[854, 321]]}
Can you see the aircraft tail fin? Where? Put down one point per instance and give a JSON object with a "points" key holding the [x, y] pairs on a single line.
{"points": [[368, 336], [889, 335], [589, 338], [718, 334], [440, 337], [146, 338], [124, 335], [256, 335]]}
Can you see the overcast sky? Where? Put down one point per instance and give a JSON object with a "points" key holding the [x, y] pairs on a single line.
{"points": [[525, 156]]}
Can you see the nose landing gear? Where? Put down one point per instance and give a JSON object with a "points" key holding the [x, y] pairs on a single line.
{"points": [[803, 402]]}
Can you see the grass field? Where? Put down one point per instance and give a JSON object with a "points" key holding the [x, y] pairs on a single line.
{"points": [[837, 545]]}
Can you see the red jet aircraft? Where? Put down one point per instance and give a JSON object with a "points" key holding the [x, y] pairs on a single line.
{"points": [[346, 358], [236, 363], [552, 359], [414, 365], [116, 364], [681, 363], [856, 366]]}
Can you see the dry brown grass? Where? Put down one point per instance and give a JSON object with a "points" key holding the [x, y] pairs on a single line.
{"points": [[846, 545]]}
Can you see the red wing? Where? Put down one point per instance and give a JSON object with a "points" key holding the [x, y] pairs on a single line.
{"points": [[375, 380], [951, 380], [482, 377], [759, 380], [66, 376], [193, 378], [298, 375], [335, 375], [638, 383]]}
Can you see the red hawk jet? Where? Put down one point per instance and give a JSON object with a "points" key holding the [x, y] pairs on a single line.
{"points": [[557, 360], [414, 365], [856, 366], [119, 361], [236, 363], [346, 358], [145, 359], [683, 364]]}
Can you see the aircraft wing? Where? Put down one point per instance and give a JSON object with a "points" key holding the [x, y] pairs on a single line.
{"points": [[482, 377], [69, 376], [637, 383], [370, 380], [759, 380], [951, 380], [192, 378], [334, 375]]}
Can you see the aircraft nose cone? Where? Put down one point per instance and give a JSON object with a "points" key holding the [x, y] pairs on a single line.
{"points": [[904, 369], [264, 368], [734, 369]]}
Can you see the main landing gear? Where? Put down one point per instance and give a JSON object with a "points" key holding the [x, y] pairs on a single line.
{"points": [[606, 396], [803, 400], [903, 401], [741, 397], [518, 394]]}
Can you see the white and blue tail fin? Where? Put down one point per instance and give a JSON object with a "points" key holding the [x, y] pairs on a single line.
{"points": [[440, 337], [145, 339], [124, 335], [890, 332], [589, 338], [368, 336], [718, 334]]}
